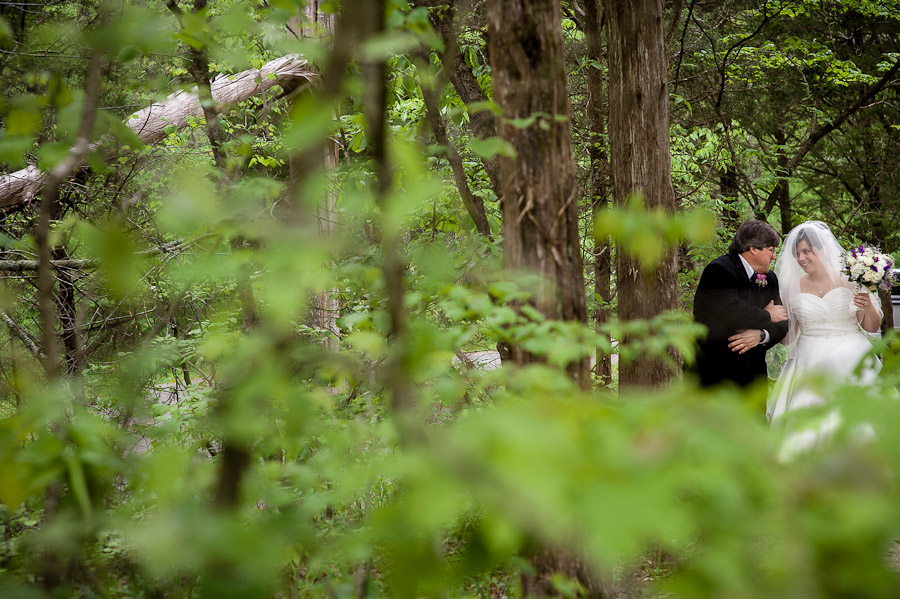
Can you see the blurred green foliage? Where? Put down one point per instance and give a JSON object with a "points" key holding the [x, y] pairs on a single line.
{"points": [[110, 480]]}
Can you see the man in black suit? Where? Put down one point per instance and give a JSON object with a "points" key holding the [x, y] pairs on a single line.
{"points": [[737, 299]]}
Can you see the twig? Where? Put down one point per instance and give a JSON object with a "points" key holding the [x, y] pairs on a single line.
{"points": [[22, 334], [89, 263], [49, 198]]}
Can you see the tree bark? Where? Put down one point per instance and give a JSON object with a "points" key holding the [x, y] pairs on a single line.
{"points": [[540, 207], [728, 188], [640, 162], [596, 110], [782, 189], [67, 310], [326, 307], [149, 124]]}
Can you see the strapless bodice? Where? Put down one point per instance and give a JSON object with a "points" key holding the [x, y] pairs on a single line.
{"points": [[826, 316]]}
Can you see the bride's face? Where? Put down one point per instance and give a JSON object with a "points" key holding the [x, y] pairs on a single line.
{"points": [[807, 257]]}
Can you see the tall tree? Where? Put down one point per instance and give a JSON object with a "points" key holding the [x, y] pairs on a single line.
{"points": [[599, 165], [796, 91], [640, 161], [540, 208], [317, 23]]}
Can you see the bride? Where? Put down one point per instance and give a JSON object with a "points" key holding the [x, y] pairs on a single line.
{"points": [[825, 341]]}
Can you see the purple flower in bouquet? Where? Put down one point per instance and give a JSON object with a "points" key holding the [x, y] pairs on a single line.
{"points": [[868, 267]]}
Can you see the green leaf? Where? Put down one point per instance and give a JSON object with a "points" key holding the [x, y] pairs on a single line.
{"points": [[485, 105], [6, 32], [51, 154], [13, 149], [24, 118], [311, 122], [123, 134], [119, 262], [491, 147], [525, 122]]}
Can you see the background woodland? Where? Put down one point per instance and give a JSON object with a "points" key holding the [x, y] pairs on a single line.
{"points": [[252, 253]]}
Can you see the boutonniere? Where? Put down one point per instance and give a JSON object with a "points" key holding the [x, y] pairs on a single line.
{"points": [[761, 280]]}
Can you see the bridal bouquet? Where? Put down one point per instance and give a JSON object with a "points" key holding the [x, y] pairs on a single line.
{"points": [[868, 267]]}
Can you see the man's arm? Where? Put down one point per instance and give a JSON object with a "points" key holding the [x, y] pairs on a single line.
{"points": [[745, 340], [720, 302]]}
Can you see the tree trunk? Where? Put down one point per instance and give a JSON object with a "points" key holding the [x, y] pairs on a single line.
{"points": [[236, 455], [640, 161], [20, 187], [326, 307], [540, 208], [728, 188], [783, 186], [596, 110], [550, 564], [67, 310]]}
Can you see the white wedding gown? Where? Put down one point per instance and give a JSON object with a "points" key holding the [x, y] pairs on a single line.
{"points": [[828, 351]]}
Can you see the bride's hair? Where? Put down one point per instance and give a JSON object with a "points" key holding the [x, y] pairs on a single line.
{"points": [[753, 233], [813, 240]]}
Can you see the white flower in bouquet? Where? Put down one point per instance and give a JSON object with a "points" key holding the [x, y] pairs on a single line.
{"points": [[868, 267]]}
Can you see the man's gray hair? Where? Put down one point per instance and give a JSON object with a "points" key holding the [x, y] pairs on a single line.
{"points": [[754, 233]]}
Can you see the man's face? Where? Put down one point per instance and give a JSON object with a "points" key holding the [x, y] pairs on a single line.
{"points": [[761, 258]]}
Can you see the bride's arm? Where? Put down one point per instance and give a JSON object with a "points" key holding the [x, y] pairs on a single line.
{"points": [[869, 316]]}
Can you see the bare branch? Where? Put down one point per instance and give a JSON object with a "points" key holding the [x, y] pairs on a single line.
{"points": [[28, 265], [88, 263], [21, 334]]}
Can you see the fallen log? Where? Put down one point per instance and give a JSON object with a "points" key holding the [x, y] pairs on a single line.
{"points": [[149, 124]]}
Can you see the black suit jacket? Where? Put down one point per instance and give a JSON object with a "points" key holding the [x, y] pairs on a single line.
{"points": [[727, 302]]}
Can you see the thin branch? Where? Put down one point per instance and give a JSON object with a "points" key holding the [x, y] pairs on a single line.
{"points": [[474, 205], [861, 201], [48, 200], [681, 44], [676, 13], [22, 335], [90, 263]]}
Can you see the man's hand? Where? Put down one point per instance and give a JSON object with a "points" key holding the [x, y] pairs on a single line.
{"points": [[776, 313], [744, 341]]}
